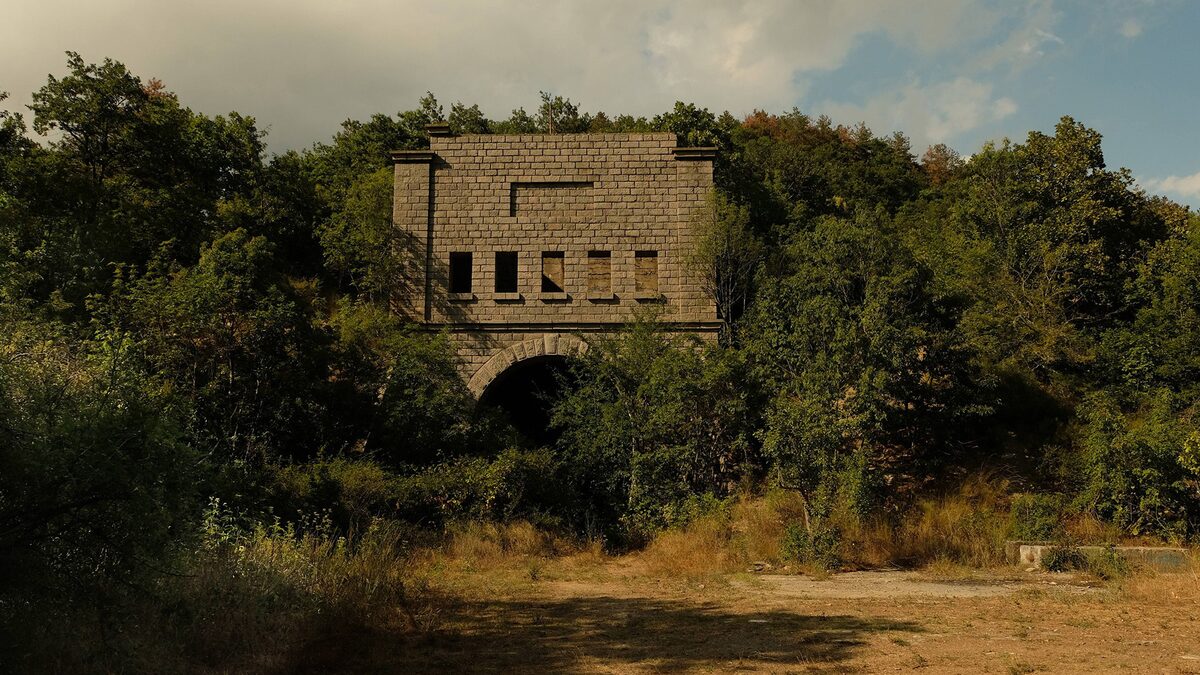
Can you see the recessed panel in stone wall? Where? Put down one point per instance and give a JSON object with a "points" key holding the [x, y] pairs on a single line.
{"points": [[560, 201]]}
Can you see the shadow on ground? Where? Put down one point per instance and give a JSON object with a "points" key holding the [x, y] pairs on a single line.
{"points": [[599, 633]]}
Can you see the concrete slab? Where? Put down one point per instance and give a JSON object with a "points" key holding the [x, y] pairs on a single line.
{"points": [[1153, 557]]}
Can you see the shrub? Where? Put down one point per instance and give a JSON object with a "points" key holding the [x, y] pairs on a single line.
{"points": [[819, 547], [1137, 466], [1108, 564], [1105, 564], [96, 483], [1064, 559], [514, 483], [352, 491], [1037, 517]]}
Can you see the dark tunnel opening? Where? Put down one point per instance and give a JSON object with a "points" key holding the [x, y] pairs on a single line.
{"points": [[526, 392]]}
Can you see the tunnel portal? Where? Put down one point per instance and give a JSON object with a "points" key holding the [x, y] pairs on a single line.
{"points": [[526, 392]]}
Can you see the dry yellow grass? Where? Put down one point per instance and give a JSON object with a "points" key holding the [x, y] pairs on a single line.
{"points": [[750, 531], [703, 548], [1182, 587], [964, 528], [1090, 529], [492, 593], [490, 544]]}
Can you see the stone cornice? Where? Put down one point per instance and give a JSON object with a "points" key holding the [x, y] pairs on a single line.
{"points": [[567, 327], [413, 156]]}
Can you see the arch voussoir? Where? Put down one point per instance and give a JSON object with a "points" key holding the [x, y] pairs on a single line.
{"points": [[554, 344]]}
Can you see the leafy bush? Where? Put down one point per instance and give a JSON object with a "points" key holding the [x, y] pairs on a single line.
{"points": [[1137, 466], [513, 483], [650, 421], [819, 547], [356, 490], [1064, 559], [96, 482], [352, 490], [1108, 564], [1037, 517], [1105, 564]]}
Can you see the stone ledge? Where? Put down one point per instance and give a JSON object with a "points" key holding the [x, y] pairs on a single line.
{"points": [[1153, 557], [695, 154]]}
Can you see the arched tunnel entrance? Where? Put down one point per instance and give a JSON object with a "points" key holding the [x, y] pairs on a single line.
{"points": [[526, 391]]}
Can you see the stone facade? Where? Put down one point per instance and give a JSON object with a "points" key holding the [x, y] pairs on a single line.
{"points": [[597, 225]]}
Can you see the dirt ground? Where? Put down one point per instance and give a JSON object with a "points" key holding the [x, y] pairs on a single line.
{"points": [[612, 621]]}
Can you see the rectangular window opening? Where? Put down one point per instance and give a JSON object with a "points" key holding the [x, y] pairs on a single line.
{"points": [[506, 272], [460, 272], [645, 271], [552, 272], [599, 272]]}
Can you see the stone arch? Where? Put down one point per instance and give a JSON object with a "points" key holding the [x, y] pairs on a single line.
{"points": [[553, 344]]}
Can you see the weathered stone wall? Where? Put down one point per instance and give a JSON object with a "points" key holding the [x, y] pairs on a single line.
{"points": [[573, 194]]}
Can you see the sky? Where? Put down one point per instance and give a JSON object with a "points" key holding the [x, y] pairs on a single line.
{"points": [[960, 72]]}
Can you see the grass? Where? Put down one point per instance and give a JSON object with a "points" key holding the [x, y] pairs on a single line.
{"points": [[245, 601], [273, 599], [732, 539], [963, 529], [1179, 587]]}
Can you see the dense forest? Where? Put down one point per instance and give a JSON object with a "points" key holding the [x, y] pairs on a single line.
{"points": [[197, 348]]}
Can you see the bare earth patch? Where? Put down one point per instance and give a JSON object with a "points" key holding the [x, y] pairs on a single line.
{"points": [[605, 618], [892, 584]]}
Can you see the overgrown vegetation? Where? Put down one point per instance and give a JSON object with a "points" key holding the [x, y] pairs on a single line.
{"points": [[209, 410]]}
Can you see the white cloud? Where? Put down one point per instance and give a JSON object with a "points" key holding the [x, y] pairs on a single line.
{"points": [[1027, 42], [304, 65], [1131, 28], [929, 114], [1186, 187]]}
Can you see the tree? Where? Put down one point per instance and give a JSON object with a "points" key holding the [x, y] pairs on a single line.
{"points": [[518, 122], [131, 169], [360, 241], [726, 256], [233, 338], [468, 120], [96, 481], [558, 115], [695, 126], [648, 422], [1039, 240], [941, 163], [398, 391], [863, 364]]}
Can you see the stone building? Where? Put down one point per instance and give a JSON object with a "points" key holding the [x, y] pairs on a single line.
{"points": [[520, 245]]}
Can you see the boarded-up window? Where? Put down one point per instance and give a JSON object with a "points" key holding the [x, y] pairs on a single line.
{"points": [[460, 272], [645, 271], [506, 272], [552, 272], [599, 271]]}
